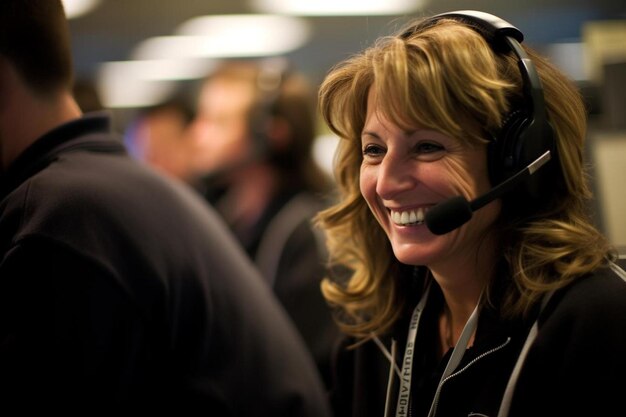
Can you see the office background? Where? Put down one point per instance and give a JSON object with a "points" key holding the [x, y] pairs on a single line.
{"points": [[120, 48]]}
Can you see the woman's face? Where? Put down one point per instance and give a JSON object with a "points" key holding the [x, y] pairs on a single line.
{"points": [[404, 174]]}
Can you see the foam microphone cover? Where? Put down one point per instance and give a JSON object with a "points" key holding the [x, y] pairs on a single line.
{"points": [[448, 215]]}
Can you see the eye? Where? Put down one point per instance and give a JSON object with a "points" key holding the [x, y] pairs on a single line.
{"points": [[428, 151], [428, 147], [373, 150]]}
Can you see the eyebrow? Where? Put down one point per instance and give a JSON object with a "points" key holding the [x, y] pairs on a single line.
{"points": [[369, 133], [407, 133]]}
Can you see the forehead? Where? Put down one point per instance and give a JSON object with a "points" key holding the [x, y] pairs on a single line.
{"points": [[422, 114], [378, 124]]}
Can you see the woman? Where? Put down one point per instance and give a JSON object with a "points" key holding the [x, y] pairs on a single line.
{"points": [[510, 305]]}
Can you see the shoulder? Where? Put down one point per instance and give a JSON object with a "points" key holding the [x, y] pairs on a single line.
{"points": [[291, 232], [576, 364], [102, 185], [597, 298], [105, 202], [604, 288]]}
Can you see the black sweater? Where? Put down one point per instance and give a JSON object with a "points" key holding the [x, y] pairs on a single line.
{"points": [[575, 367], [120, 290]]}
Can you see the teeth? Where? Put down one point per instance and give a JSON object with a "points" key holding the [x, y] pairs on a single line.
{"points": [[408, 217]]}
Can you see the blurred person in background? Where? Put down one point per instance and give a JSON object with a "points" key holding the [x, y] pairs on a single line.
{"points": [[157, 136], [120, 290], [254, 130]]}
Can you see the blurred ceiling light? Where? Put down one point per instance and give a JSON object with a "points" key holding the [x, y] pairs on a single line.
{"points": [[76, 8], [144, 83], [337, 7], [162, 69], [228, 36]]}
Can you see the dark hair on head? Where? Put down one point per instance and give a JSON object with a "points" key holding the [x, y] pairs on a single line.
{"points": [[176, 104], [34, 37]]}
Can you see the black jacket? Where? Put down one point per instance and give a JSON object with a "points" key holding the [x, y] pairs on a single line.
{"points": [[291, 255], [292, 258], [575, 367], [120, 290]]}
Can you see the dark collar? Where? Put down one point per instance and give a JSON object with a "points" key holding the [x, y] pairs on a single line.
{"points": [[84, 132]]}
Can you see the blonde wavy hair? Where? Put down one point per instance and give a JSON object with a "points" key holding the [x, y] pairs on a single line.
{"points": [[445, 76]]}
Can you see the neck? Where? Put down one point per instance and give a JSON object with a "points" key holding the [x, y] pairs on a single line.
{"points": [[460, 301], [28, 116], [462, 282]]}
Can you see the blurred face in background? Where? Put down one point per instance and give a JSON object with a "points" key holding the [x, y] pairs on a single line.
{"points": [[162, 139], [220, 131]]}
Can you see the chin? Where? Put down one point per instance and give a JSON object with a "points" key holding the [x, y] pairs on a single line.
{"points": [[414, 254]]}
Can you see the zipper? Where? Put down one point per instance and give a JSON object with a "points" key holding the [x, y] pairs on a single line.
{"points": [[460, 371]]}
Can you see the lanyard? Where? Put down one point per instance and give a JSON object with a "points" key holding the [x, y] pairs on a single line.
{"points": [[505, 404], [404, 394], [402, 408]]}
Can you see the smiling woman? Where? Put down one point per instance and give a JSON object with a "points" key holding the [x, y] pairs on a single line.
{"points": [[455, 107], [404, 174]]}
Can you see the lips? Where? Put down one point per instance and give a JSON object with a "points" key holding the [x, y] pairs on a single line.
{"points": [[408, 217]]}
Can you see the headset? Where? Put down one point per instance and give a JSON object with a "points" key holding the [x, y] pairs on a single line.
{"points": [[269, 85], [526, 133]]}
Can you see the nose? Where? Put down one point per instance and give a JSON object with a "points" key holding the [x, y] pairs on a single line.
{"points": [[396, 175]]}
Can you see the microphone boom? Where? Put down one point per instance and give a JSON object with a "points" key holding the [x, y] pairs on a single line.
{"points": [[456, 211]]}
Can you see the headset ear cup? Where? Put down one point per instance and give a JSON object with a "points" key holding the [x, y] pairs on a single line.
{"points": [[519, 143], [548, 182], [504, 150]]}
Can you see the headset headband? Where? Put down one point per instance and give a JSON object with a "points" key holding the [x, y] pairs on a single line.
{"points": [[527, 133]]}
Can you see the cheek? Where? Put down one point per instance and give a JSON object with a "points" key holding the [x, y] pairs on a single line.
{"points": [[367, 185], [460, 180], [468, 176]]}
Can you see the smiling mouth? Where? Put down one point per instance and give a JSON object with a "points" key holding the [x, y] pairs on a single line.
{"points": [[408, 217]]}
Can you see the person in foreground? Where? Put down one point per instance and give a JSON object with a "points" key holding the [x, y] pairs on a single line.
{"points": [[120, 289], [478, 284]]}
